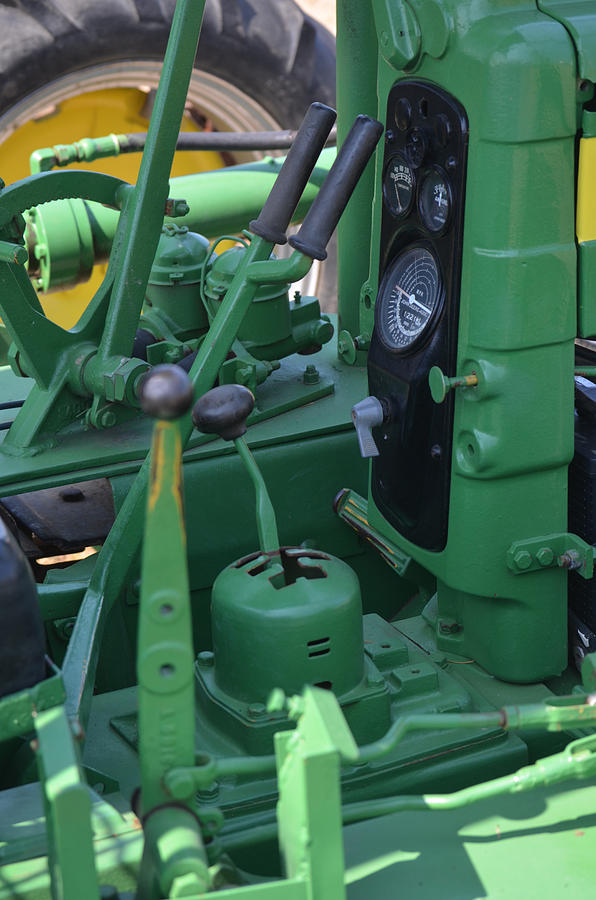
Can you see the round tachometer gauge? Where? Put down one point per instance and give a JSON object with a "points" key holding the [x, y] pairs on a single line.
{"points": [[410, 299]]}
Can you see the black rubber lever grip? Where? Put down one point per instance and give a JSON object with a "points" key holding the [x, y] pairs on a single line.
{"points": [[224, 410], [322, 218], [274, 218]]}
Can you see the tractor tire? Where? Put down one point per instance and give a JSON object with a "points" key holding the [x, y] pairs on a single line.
{"points": [[268, 51], [78, 68]]}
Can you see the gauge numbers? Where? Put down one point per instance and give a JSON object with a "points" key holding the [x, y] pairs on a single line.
{"points": [[398, 186], [409, 299], [434, 200]]}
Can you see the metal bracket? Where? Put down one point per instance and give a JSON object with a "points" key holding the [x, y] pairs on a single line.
{"points": [[565, 551]]}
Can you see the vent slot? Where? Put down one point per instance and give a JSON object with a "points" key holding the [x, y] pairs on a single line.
{"points": [[317, 647]]}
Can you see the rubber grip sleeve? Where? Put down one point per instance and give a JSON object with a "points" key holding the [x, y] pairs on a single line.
{"points": [[322, 218], [274, 218]]}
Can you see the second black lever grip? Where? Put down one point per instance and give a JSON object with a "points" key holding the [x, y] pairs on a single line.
{"points": [[274, 218], [324, 214]]}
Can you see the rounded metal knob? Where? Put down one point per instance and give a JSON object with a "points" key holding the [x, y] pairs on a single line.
{"points": [[224, 411], [166, 392]]}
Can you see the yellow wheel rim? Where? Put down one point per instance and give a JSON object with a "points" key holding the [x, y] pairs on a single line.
{"points": [[117, 98]]}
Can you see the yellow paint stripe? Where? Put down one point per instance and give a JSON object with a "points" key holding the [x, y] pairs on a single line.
{"points": [[585, 223]]}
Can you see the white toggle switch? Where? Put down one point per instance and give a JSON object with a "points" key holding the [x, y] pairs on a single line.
{"points": [[365, 415]]}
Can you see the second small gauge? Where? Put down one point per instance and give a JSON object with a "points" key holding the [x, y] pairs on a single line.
{"points": [[434, 200], [399, 185]]}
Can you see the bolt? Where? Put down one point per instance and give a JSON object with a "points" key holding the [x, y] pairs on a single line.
{"points": [[106, 418], [545, 556], [176, 208], [64, 628], [297, 296], [570, 560], [436, 452], [208, 795], [206, 659], [311, 375], [256, 710], [523, 559]]}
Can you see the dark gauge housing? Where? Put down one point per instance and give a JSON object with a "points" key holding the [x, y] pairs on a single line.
{"points": [[416, 147], [434, 200], [409, 300], [399, 185]]}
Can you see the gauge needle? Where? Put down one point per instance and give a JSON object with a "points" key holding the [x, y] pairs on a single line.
{"points": [[418, 303], [412, 299]]}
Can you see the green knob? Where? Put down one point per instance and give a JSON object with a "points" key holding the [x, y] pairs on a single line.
{"points": [[440, 384]]}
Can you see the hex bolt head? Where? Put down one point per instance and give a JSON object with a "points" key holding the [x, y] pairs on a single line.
{"points": [[523, 559], [311, 375], [545, 556]]}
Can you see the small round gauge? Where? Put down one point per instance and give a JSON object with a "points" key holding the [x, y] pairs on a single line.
{"points": [[410, 299], [398, 186], [434, 200]]}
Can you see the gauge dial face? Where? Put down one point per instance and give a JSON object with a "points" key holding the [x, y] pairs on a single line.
{"points": [[410, 299], [434, 200], [398, 186]]}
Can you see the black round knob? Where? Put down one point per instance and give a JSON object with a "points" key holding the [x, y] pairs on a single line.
{"points": [[166, 392], [224, 411]]}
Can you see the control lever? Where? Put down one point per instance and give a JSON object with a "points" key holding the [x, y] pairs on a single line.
{"points": [[273, 220], [325, 212], [366, 414], [224, 410]]}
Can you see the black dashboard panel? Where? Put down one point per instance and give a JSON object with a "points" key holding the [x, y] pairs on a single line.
{"points": [[423, 188]]}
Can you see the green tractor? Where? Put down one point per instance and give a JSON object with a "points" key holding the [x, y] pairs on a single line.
{"points": [[299, 605]]}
